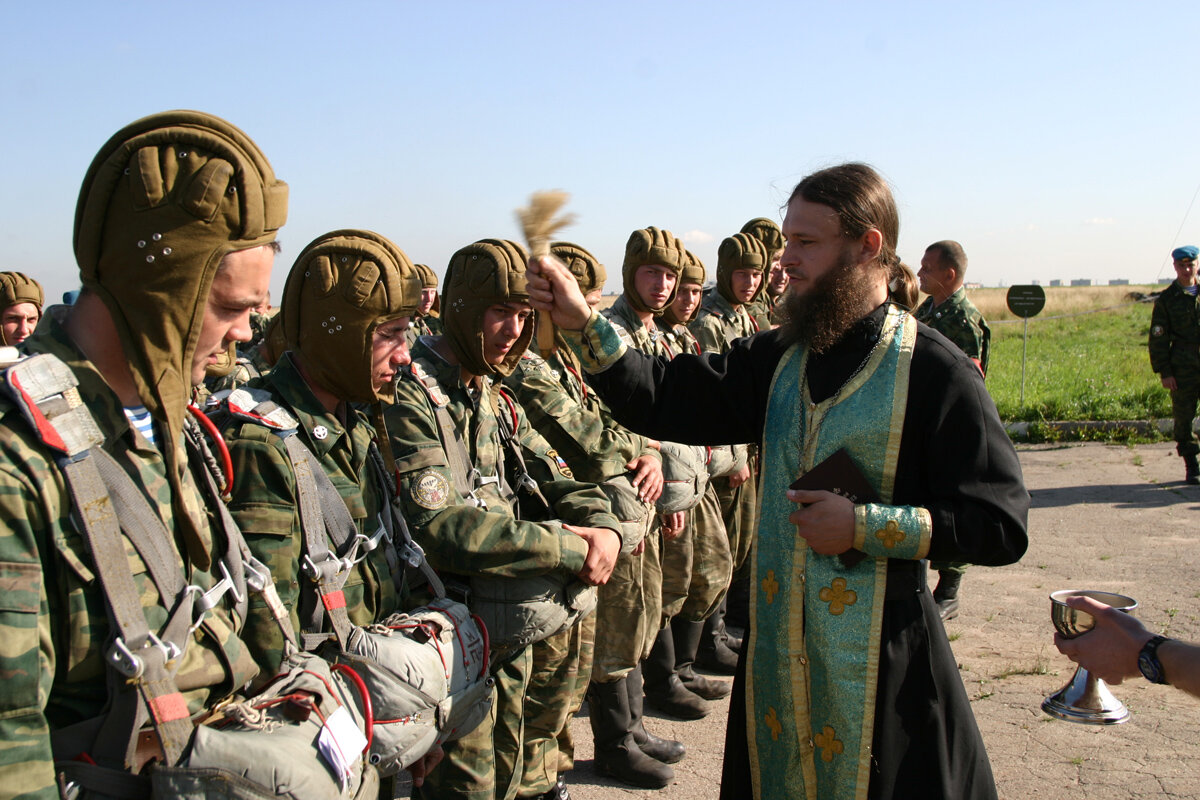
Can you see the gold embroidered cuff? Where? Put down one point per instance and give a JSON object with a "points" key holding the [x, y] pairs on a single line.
{"points": [[598, 345], [892, 531]]}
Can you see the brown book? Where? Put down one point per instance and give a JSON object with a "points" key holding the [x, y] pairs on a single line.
{"points": [[840, 475]]}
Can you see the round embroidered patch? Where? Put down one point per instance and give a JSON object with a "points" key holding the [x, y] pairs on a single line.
{"points": [[430, 489], [1157, 330]]}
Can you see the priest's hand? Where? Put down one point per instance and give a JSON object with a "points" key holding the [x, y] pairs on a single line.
{"points": [[825, 520], [554, 290]]}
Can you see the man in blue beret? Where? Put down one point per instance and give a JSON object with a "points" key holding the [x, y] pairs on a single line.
{"points": [[1175, 353]]}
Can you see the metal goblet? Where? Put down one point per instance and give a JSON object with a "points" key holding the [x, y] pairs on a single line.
{"points": [[1085, 698]]}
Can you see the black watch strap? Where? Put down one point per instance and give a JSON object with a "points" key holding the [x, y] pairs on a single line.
{"points": [[1148, 661]]}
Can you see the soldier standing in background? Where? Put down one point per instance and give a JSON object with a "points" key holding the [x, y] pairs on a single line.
{"points": [[425, 322], [723, 318], [762, 307], [1175, 353], [700, 591], [654, 260], [948, 311], [21, 301]]}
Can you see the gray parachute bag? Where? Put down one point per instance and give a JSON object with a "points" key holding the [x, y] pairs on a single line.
{"points": [[632, 512], [422, 676], [685, 477]]}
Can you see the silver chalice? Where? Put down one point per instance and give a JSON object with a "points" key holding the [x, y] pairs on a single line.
{"points": [[1085, 698]]}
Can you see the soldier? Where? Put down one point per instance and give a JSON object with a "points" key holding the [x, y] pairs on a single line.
{"points": [[654, 260], [462, 446], [724, 316], [346, 344], [697, 591], [425, 321], [619, 635], [180, 205], [21, 301], [948, 311], [1175, 353], [775, 281]]}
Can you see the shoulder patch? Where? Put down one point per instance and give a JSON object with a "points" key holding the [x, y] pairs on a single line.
{"points": [[561, 463], [256, 405], [430, 489], [1157, 330], [421, 375]]}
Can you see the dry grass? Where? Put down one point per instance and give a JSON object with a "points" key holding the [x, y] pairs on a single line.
{"points": [[1060, 299]]}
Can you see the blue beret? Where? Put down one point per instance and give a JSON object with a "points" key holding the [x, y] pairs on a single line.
{"points": [[1188, 251]]}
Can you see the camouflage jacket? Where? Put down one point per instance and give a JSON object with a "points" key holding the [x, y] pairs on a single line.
{"points": [[655, 341], [762, 310], [959, 321], [573, 419], [53, 611], [265, 505], [1175, 334], [422, 325], [718, 323], [460, 536]]}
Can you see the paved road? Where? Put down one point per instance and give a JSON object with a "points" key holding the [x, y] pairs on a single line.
{"points": [[1108, 517]]}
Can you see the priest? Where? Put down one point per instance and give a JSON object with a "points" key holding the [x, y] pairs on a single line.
{"points": [[847, 687]]}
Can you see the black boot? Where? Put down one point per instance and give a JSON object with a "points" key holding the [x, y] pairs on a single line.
{"points": [[667, 751], [1191, 469], [664, 690], [946, 594], [714, 653], [617, 754], [687, 641], [556, 792]]}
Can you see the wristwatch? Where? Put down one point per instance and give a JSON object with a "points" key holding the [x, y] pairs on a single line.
{"points": [[1148, 661]]}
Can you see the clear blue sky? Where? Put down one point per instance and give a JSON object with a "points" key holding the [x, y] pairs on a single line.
{"points": [[1054, 140]]}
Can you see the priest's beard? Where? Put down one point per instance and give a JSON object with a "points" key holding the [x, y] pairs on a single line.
{"points": [[839, 298]]}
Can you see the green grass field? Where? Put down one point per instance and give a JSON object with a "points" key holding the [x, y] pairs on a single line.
{"points": [[1083, 362]]}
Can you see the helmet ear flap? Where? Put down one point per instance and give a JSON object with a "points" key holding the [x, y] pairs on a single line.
{"points": [[362, 283]]}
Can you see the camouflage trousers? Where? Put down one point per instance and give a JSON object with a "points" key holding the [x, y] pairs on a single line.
{"points": [[486, 763], [629, 611], [1183, 410], [697, 564], [739, 509], [555, 695]]}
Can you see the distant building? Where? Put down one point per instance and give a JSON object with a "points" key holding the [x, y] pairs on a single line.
{"points": [[1056, 282], [1039, 283], [1081, 281], [1164, 281], [973, 285], [1119, 282]]}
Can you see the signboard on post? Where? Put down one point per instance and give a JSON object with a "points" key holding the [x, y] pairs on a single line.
{"points": [[1025, 301]]}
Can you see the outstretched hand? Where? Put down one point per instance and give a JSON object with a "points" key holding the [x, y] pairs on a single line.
{"points": [[553, 290], [1110, 649]]}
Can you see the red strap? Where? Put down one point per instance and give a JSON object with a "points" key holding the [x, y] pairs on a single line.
{"points": [[334, 600], [45, 430], [218, 441], [169, 707]]}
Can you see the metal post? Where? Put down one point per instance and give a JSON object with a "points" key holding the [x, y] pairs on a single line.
{"points": [[1024, 348]]}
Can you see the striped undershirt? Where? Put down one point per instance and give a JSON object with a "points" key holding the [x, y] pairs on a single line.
{"points": [[140, 417]]}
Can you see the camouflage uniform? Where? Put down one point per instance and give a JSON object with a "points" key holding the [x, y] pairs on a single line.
{"points": [[423, 325], [54, 614], [577, 424], [265, 505], [1175, 352], [702, 587], [959, 320], [762, 310], [464, 539]]}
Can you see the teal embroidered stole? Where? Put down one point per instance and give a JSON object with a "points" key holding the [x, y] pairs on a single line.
{"points": [[814, 649]]}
